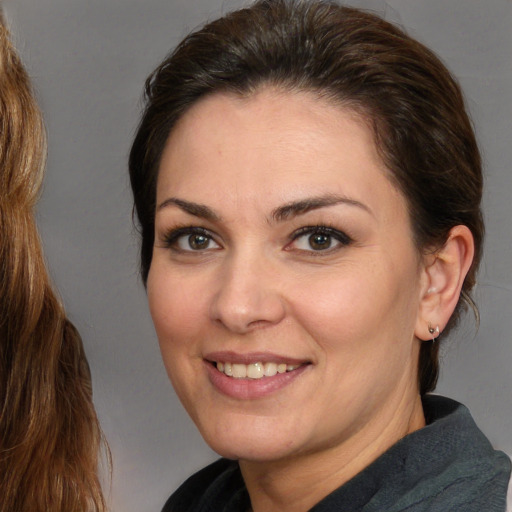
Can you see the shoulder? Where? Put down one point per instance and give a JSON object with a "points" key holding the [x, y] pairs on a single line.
{"points": [[467, 473], [208, 489], [447, 466]]}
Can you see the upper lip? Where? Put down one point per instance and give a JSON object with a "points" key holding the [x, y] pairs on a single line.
{"points": [[252, 357]]}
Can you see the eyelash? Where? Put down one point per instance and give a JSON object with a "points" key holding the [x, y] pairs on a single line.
{"points": [[172, 237], [333, 233]]}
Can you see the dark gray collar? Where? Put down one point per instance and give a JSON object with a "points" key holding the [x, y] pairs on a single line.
{"points": [[447, 466]]}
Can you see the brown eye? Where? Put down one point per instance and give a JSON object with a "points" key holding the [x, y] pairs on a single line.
{"points": [[191, 239], [319, 241], [198, 242]]}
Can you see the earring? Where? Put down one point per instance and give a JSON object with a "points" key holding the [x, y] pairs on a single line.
{"points": [[434, 332]]}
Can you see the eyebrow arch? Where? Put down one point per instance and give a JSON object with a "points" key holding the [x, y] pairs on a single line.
{"points": [[303, 206], [196, 209], [280, 214]]}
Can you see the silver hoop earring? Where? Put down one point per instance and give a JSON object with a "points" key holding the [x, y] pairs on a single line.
{"points": [[434, 332]]}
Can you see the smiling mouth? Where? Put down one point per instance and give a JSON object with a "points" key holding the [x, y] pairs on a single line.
{"points": [[255, 370]]}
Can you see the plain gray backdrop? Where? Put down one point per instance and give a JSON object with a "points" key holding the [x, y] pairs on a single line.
{"points": [[88, 60]]}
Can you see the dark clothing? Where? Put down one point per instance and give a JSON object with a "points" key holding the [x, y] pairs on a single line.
{"points": [[447, 466]]}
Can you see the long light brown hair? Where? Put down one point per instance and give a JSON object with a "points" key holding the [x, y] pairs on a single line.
{"points": [[50, 439]]}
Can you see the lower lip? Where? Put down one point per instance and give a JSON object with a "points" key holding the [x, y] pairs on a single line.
{"points": [[250, 389]]}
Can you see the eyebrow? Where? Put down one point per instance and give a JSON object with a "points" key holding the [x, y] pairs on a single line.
{"points": [[196, 209], [303, 206], [280, 214]]}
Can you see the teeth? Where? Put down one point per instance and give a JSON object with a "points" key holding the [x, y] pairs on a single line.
{"points": [[239, 371], [270, 369], [254, 370]]}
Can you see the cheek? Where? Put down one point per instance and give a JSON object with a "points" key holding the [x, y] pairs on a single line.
{"points": [[337, 302], [178, 309], [358, 306], [178, 313], [174, 303]]}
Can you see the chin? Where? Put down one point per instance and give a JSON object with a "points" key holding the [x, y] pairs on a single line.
{"points": [[251, 451], [261, 441]]}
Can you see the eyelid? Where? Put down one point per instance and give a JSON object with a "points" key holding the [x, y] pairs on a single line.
{"points": [[339, 236], [324, 229], [171, 236]]}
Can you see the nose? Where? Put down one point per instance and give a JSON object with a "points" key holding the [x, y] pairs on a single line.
{"points": [[248, 295]]}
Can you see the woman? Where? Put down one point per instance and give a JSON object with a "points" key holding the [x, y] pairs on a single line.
{"points": [[49, 433], [308, 188]]}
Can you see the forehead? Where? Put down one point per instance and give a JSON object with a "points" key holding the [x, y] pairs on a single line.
{"points": [[280, 112], [271, 144]]}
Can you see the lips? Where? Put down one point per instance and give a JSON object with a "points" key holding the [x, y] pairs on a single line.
{"points": [[255, 375]]}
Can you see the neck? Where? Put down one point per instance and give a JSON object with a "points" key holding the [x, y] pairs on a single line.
{"points": [[299, 482]]}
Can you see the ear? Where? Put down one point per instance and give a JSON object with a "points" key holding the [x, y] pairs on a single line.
{"points": [[444, 272]]}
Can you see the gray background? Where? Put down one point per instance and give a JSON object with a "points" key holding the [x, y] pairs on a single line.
{"points": [[88, 59]]}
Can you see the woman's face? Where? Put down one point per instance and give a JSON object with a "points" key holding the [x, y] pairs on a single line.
{"points": [[285, 284]]}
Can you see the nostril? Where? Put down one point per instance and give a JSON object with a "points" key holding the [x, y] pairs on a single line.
{"points": [[259, 324]]}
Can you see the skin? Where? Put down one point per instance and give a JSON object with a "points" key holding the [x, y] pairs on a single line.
{"points": [[351, 312]]}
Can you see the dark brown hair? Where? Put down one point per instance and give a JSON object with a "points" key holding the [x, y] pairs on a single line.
{"points": [[49, 434], [351, 57]]}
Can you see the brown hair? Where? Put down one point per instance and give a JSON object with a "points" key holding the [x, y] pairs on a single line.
{"points": [[351, 57], [49, 434]]}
